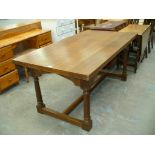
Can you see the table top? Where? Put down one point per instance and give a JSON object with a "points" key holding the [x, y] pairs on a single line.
{"points": [[81, 56], [140, 29], [21, 37], [118, 20], [109, 25]]}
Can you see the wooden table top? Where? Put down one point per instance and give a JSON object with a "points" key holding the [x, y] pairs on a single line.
{"points": [[109, 25], [21, 37], [118, 20], [80, 56], [140, 29]]}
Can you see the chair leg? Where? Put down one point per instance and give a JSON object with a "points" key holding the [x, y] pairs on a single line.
{"points": [[118, 63], [26, 74], [146, 53], [136, 62], [149, 48], [135, 67], [152, 40]]}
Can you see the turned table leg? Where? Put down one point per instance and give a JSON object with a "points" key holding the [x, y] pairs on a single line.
{"points": [[40, 103], [87, 123]]}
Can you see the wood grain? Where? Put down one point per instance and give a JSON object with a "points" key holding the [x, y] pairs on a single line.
{"points": [[140, 29], [6, 53], [21, 37], [6, 67], [14, 40], [8, 79], [80, 56]]}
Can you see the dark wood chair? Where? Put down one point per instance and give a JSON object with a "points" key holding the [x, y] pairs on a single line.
{"points": [[134, 54], [133, 21], [134, 50]]}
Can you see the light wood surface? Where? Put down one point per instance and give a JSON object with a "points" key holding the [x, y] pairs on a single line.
{"points": [[15, 29], [6, 67], [14, 40], [140, 29], [8, 79], [21, 37], [79, 56], [143, 32], [6, 53]]}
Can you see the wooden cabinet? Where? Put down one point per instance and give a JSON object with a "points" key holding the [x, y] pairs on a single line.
{"points": [[40, 40], [6, 66], [6, 53], [15, 41], [8, 79], [44, 39], [8, 72]]}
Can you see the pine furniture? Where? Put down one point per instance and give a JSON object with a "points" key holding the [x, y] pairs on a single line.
{"points": [[31, 36]]}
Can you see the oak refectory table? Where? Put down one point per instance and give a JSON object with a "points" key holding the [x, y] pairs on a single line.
{"points": [[81, 59]]}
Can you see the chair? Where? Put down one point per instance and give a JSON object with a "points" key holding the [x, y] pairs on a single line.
{"points": [[134, 54], [134, 50], [133, 21]]}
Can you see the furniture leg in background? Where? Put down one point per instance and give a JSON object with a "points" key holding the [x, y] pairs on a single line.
{"points": [[125, 62], [26, 74]]}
